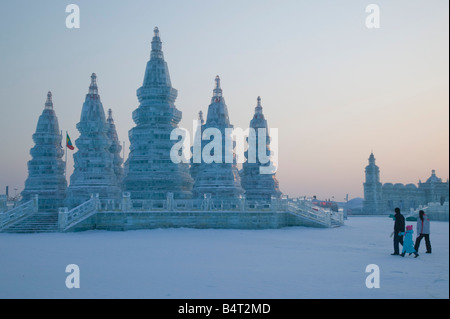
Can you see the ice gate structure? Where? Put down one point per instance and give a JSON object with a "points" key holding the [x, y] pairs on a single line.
{"points": [[150, 191]]}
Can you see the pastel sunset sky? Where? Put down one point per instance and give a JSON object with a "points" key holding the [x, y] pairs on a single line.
{"points": [[335, 89]]}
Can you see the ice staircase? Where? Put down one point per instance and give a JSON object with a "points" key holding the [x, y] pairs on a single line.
{"points": [[68, 219], [27, 219], [18, 214], [41, 222], [315, 216]]}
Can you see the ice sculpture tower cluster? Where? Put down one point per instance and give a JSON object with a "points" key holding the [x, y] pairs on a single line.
{"points": [[46, 168], [94, 168], [259, 186], [149, 170], [220, 179]]}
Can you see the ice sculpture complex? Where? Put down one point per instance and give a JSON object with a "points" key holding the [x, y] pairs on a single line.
{"points": [[158, 188], [149, 170], [220, 179], [94, 169], [46, 168], [258, 186]]}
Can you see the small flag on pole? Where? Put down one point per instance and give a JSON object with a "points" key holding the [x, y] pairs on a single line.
{"points": [[69, 143]]}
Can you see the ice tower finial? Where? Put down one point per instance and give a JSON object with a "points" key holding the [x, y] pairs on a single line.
{"points": [[372, 158], [110, 118], [49, 102], [217, 82], [156, 45], [93, 89], [200, 117], [258, 108], [258, 120], [217, 89]]}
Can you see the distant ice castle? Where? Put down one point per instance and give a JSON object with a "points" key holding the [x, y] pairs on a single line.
{"points": [[384, 198], [150, 190]]}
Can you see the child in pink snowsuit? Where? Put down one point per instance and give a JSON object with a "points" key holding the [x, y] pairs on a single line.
{"points": [[408, 244]]}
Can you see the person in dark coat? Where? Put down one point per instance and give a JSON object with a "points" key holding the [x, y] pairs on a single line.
{"points": [[399, 227], [423, 231]]}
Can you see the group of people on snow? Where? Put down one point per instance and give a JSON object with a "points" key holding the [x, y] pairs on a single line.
{"points": [[403, 235]]}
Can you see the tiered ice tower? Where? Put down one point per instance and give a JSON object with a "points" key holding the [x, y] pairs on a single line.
{"points": [[115, 148], [150, 172], [93, 162], [258, 186], [372, 188], [221, 180], [46, 168]]}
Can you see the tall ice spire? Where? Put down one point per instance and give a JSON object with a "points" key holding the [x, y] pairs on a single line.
{"points": [[46, 167], [258, 186], [150, 172], [93, 162], [372, 203], [219, 179]]}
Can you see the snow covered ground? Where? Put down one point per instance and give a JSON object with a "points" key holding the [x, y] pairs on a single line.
{"points": [[296, 262]]}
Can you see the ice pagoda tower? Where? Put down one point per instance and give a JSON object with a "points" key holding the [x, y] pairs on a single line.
{"points": [[46, 168], [220, 179], [258, 186], [149, 170], [115, 148], [94, 169], [372, 188]]}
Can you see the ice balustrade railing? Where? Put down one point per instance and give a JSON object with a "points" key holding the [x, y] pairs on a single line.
{"points": [[204, 204], [66, 217], [310, 210], [306, 208], [27, 208], [170, 204], [208, 203]]}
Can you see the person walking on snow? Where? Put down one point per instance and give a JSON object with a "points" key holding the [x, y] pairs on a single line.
{"points": [[423, 231], [408, 244], [399, 227]]}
